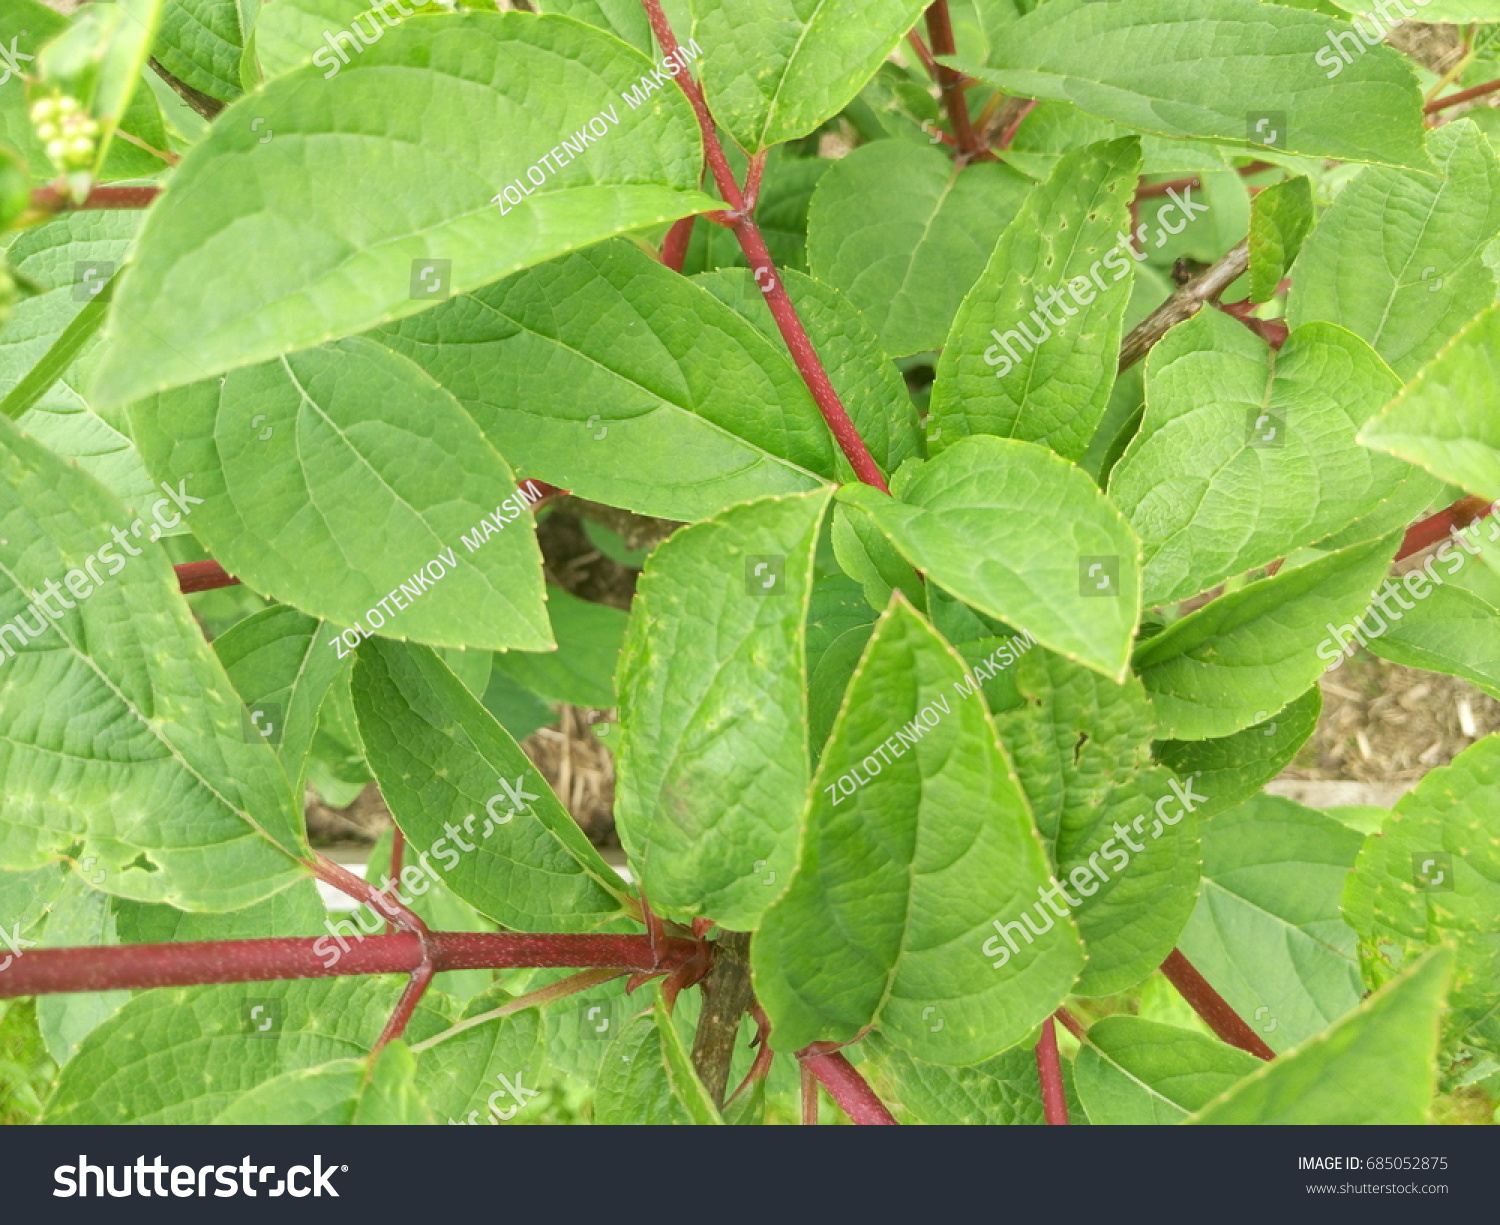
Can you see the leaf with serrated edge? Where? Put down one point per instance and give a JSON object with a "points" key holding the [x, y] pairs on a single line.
{"points": [[1143, 1072], [1233, 768], [1048, 386], [1246, 454], [1219, 669], [459, 1073], [610, 375], [634, 1085], [713, 763], [1377, 1065], [1280, 217], [1398, 258], [1267, 933], [279, 658], [1002, 1091], [332, 479], [200, 42], [185, 1054], [905, 236], [810, 58], [1433, 874], [265, 248], [1445, 418], [118, 727], [444, 767], [955, 519], [1208, 69], [888, 919], [1081, 747]]}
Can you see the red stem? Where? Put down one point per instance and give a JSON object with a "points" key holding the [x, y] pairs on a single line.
{"points": [[1212, 1006], [764, 270], [809, 1096], [398, 848], [1429, 531], [1463, 95], [50, 200], [1049, 1068], [1071, 1024], [140, 967], [844, 1084], [202, 576], [674, 247], [950, 82], [1015, 126], [923, 53]]}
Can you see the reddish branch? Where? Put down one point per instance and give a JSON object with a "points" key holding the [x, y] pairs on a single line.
{"points": [[139, 967], [1049, 1069], [1212, 1007], [1441, 525], [764, 270], [951, 82], [844, 1084], [1463, 95], [674, 247], [50, 200]]}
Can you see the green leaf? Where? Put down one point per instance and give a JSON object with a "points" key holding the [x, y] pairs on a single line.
{"points": [[444, 764], [46, 348], [1246, 454], [1444, 419], [261, 249], [1398, 258], [905, 236], [1081, 747], [1212, 69], [864, 377], [343, 1091], [1280, 218], [634, 1085], [956, 520], [1220, 669], [1374, 1066], [1233, 768], [201, 43], [1267, 933], [686, 1086], [1451, 630], [625, 19], [79, 917], [1003, 1091], [1051, 387], [297, 911], [865, 553], [1142, 1072], [1432, 10], [1433, 874], [581, 670], [476, 1074], [710, 779], [120, 735], [290, 32], [1054, 129], [773, 70], [279, 662], [612, 376], [185, 1054], [297, 458], [888, 918]]}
